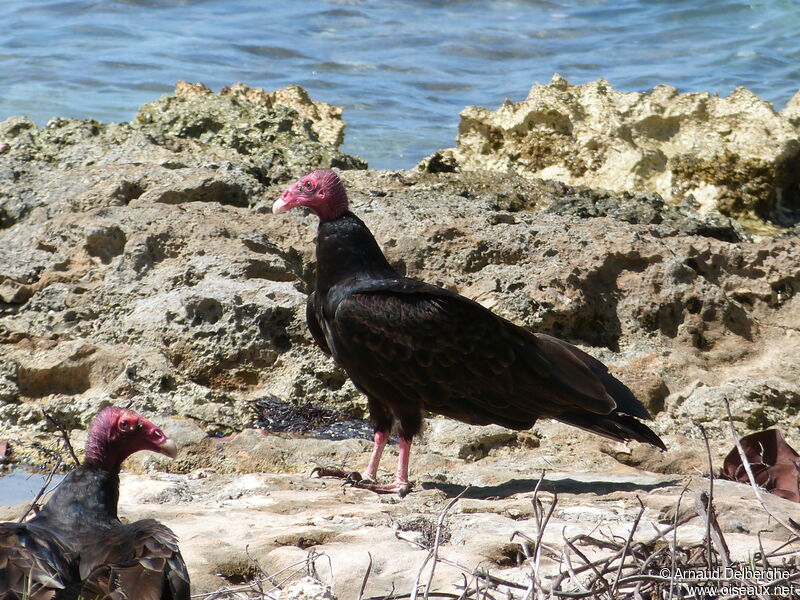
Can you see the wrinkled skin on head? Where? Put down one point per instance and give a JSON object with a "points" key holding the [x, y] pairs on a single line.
{"points": [[321, 191], [116, 433]]}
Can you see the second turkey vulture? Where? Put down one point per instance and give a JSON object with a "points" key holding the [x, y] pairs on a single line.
{"points": [[76, 546], [411, 347]]}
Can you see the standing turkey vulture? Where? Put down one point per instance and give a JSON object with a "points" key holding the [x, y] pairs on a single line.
{"points": [[411, 347], [76, 546]]}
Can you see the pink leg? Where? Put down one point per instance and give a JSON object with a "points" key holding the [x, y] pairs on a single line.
{"points": [[401, 485], [402, 461], [380, 438]]}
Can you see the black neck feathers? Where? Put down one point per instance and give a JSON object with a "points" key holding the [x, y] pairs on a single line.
{"points": [[346, 249], [86, 500]]}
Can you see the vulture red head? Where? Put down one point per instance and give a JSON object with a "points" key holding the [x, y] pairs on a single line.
{"points": [[116, 433], [322, 191]]}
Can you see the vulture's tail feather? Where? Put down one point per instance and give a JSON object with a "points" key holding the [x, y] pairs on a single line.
{"points": [[616, 426]]}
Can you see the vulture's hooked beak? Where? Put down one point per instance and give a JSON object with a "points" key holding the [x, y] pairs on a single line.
{"points": [[279, 206], [287, 201], [168, 448]]}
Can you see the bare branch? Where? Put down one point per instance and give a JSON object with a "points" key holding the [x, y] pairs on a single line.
{"points": [[65, 437]]}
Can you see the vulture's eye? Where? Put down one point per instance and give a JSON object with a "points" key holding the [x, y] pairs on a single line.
{"points": [[129, 424], [308, 185]]}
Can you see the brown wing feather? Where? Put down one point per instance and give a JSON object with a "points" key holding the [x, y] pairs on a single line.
{"points": [[32, 561], [450, 355], [314, 326], [136, 560]]}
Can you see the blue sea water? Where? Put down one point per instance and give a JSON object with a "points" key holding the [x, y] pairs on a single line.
{"points": [[20, 486], [403, 69]]}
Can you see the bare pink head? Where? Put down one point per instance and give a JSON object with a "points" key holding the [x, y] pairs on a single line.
{"points": [[322, 191], [116, 433]]}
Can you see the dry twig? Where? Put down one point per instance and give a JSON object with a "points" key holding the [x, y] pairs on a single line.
{"points": [[41, 491], [64, 436]]}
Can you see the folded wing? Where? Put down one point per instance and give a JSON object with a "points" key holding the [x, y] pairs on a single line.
{"points": [[405, 341], [33, 562], [141, 558]]}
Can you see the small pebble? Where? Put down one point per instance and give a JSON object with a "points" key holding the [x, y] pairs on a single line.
{"points": [[4, 148]]}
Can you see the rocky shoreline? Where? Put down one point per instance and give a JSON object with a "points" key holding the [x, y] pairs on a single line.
{"points": [[140, 263]]}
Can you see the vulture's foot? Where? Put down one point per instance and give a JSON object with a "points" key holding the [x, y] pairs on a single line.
{"points": [[336, 472], [401, 488]]}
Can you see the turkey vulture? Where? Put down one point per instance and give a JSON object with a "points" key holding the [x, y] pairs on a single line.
{"points": [[76, 546], [411, 347]]}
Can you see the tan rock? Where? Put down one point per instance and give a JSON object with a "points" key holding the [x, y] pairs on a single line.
{"points": [[755, 404], [238, 528], [306, 588], [326, 119], [149, 245], [453, 439], [154, 276], [732, 154]]}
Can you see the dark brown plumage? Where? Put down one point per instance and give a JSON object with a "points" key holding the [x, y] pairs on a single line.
{"points": [[413, 347], [76, 546]]}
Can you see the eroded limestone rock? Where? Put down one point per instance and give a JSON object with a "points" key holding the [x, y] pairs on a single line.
{"points": [[152, 272], [194, 145], [755, 404], [735, 154], [111, 252]]}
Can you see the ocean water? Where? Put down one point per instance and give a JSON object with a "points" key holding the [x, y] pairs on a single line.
{"points": [[20, 486], [403, 69]]}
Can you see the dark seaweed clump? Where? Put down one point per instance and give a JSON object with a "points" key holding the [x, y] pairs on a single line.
{"points": [[278, 416]]}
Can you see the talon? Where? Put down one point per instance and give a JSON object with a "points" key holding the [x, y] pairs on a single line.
{"points": [[399, 488], [334, 472], [328, 472], [354, 479]]}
